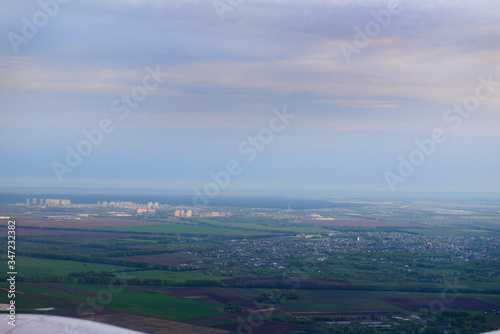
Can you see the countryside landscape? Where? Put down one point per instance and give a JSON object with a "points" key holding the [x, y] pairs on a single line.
{"points": [[350, 266], [250, 167]]}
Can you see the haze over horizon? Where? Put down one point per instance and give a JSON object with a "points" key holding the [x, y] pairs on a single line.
{"points": [[352, 117]]}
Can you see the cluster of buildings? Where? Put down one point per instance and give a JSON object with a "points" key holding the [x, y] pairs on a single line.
{"points": [[182, 213], [189, 213], [48, 202], [126, 209], [369, 249], [129, 205], [149, 208]]}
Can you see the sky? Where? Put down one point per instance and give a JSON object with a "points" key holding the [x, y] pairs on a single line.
{"points": [[252, 94]]}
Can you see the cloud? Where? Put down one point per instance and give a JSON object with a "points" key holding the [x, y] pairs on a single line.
{"points": [[226, 76], [357, 103]]}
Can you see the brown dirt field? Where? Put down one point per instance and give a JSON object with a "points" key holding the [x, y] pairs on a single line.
{"points": [[327, 282], [156, 259], [55, 302], [60, 288], [153, 325], [143, 323], [279, 281], [224, 297], [360, 222], [85, 223], [17, 292], [215, 318], [201, 294], [494, 300], [267, 327], [464, 303], [343, 313], [33, 231]]}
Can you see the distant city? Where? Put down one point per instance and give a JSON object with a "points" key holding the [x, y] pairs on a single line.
{"points": [[130, 207], [48, 208]]}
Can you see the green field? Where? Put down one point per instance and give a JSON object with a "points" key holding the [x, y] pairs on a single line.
{"points": [[176, 276], [163, 306], [28, 266], [157, 305], [213, 227], [26, 301], [27, 292], [185, 229], [246, 226]]}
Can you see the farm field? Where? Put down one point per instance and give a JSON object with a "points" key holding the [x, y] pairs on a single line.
{"points": [[166, 258], [174, 229], [363, 222], [87, 223], [333, 301], [176, 276], [139, 302], [294, 274], [47, 267], [66, 300], [257, 225], [141, 226]]}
